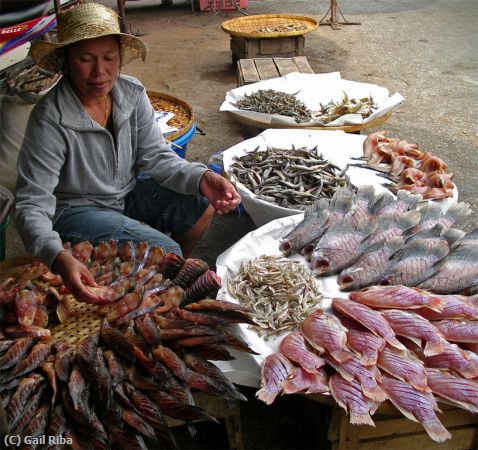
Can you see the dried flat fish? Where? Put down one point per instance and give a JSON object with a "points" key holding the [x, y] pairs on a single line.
{"points": [[282, 293]]}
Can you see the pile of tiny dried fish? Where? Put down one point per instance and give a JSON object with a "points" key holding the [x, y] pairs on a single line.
{"points": [[113, 388], [291, 178], [281, 28], [270, 101], [281, 293], [333, 110], [395, 343]]}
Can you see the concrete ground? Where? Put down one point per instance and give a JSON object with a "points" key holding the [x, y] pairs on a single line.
{"points": [[423, 49]]}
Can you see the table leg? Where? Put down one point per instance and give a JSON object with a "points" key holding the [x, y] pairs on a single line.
{"points": [[334, 24]]}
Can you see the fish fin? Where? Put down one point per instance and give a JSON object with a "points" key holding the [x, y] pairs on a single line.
{"points": [[361, 419], [436, 430], [367, 226], [420, 249], [434, 303], [395, 244], [454, 236], [434, 348], [342, 355], [457, 214], [381, 201], [408, 198], [342, 200], [416, 341], [368, 360], [366, 192], [374, 392], [409, 219], [266, 396]]}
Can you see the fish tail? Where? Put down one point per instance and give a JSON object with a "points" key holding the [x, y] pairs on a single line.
{"points": [[436, 430], [342, 355], [433, 348], [266, 396], [434, 303], [361, 419], [374, 392], [368, 360], [394, 342]]}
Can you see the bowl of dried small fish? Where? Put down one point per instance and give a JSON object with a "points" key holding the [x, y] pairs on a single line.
{"points": [[318, 101], [282, 172]]}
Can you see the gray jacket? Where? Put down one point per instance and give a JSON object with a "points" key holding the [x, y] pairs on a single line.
{"points": [[68, 160]]}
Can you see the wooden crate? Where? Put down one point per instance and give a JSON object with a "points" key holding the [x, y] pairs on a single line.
{"points": [[252, 70], [266, 48], [394, 432]]}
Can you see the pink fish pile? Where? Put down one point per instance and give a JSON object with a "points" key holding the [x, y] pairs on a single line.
{"points": [[114, 387], [130, 276], [368, 238], [409, 168], [396, 343]]}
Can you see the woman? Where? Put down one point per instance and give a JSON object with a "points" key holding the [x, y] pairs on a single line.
{"points": [[86, 142]]}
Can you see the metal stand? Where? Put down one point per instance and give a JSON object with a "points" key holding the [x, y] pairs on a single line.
{"points": [[333, 17], [219, 10]]}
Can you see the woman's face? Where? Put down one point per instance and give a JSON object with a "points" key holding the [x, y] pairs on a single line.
{"points": [[93, 66]]}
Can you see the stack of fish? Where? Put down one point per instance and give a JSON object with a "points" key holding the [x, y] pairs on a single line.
{"points": [[114, 387], [407, 167], [395, 343], [368, 238], [33, 298]]}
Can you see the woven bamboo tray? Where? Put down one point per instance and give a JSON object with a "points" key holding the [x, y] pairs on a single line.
{"points": [[183, 119], [85, 320], [347, 128], [250, 26]]}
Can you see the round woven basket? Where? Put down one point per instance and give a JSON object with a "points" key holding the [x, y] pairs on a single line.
{"points": [[183, 113], [262, 26], [347, 128]]}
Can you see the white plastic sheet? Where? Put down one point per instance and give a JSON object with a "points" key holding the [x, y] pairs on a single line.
{"points": [[314, 90]]}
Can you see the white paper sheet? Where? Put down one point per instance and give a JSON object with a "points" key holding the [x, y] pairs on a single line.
{"points": [[336, 146], [313, 90], [246, 368]]}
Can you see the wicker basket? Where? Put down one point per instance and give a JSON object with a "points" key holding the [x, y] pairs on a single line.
{"points": [[280, 25], [183, 113]]}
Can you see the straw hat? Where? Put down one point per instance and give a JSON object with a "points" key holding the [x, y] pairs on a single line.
{"points": [[85, 21]]}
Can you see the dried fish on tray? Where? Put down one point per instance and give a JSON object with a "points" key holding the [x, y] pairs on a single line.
{"points": [[281, 293], [270, 101], [322, 96], [334, 109], [290, 178], [109, 375], [407, 167]]}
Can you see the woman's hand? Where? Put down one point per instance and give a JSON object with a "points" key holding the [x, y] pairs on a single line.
{"points": [[75, 277], [220, 192]]}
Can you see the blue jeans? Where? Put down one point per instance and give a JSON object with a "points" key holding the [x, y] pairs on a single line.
{"points": [[150, 212]]}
